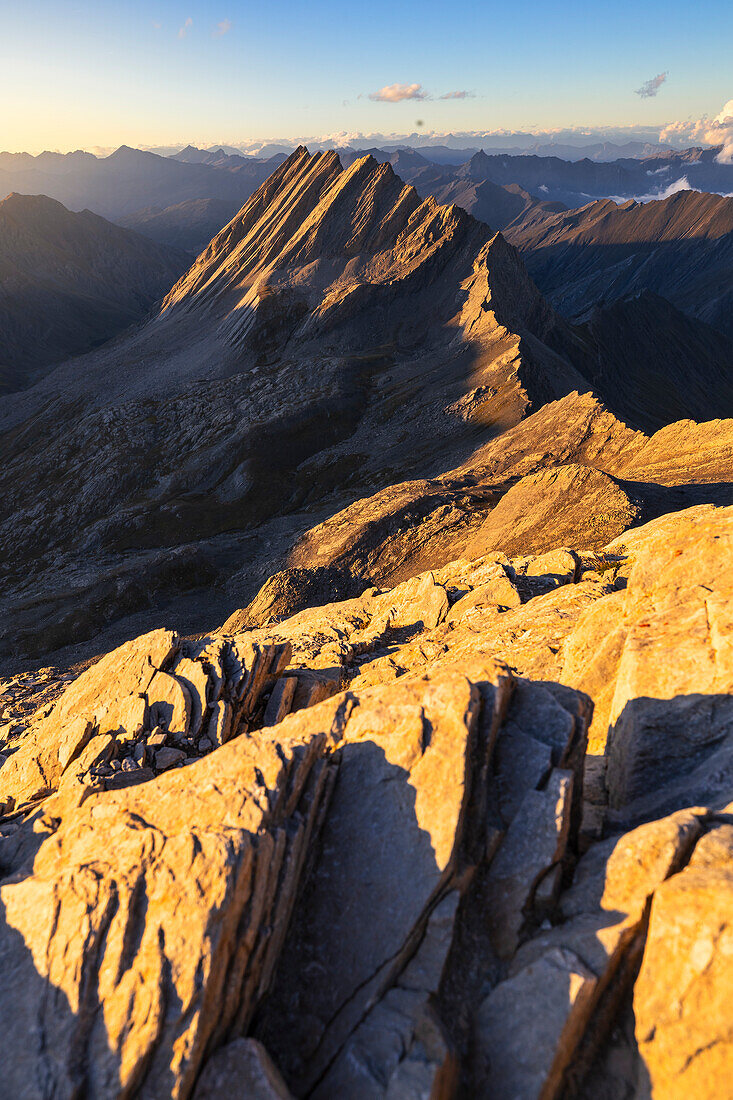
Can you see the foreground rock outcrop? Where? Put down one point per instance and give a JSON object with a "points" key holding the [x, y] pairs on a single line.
{"points": [[379, 859]]}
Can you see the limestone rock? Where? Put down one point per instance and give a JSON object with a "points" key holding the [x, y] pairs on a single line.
{"points": [[100, 696], [401, 1050], [395, 822], [498, 590], [559, 565], [538, 1030], [145, 928], [534, 843], [668, 723], [417, 602], [684, 1020]]}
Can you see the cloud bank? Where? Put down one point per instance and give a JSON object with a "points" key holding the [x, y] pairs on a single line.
{"points": [[183, 31], [457, 95], [709, 131], [650, 87], [222, 28]]}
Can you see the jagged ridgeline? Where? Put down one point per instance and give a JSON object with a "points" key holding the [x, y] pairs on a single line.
{"points": [[444, 806]]}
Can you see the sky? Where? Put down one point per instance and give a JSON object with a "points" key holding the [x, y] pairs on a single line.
{"points": [[98, 75]]}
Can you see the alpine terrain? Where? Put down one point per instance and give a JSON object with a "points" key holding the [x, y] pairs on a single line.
{"points": [[366, 660]]}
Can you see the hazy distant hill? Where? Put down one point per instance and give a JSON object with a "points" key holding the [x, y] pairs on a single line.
{"points": [[188, 225], [68, 282], [128, 180]]}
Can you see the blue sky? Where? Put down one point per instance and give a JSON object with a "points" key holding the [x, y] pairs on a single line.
{"points": [[80, 75]]}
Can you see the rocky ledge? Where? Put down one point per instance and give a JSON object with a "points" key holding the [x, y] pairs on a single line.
{"points": [[468, 836]]}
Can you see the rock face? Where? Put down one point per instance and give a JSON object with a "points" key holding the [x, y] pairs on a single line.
{"points": [[669, 722], [684, 1023], [131, 955], [389, 867], [111, 725], [69, 282]]}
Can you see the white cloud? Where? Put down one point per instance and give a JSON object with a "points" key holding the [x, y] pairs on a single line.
{"points": [[650, 87], [395, 93], [710, 131], [183, 31], [222, 28], [457, 95], [682, 184]]}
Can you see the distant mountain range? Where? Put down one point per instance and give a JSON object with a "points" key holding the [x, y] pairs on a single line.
{"points": [[179, 199], [453, 149], [68, 282]]}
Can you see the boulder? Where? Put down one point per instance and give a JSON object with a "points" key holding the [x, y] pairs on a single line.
{"points": [[572, 504], [539, 1029]]}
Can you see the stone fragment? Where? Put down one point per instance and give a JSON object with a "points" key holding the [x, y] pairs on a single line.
{"points": [[195, 680], [166, 757], [280, 702], [499, 591], [559, 565], [169, 703], [419, 601], [519, 1063], [534, 842], [133, 716], [313, 686], [79, 774], [220, 724], [73, 738], [241, 1070]]}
